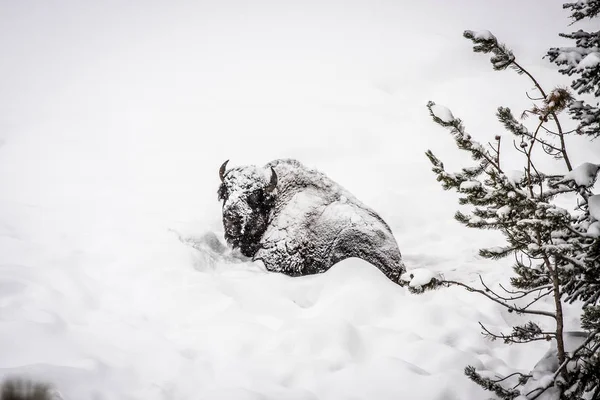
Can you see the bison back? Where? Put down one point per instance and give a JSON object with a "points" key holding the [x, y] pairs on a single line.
{"points": [[377, 247]]}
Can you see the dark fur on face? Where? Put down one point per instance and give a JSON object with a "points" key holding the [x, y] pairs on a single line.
{"points": [[247, 219]]}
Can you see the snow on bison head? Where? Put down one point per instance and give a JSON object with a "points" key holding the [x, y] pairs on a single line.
{"points": [[248, 198], [298, 221]]}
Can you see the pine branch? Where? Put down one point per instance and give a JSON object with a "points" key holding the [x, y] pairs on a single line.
{"points": [[503, 58], [464, 140], [527, 333], [510, 307], [563, 365], [583, 9], [522, 293], [490, 384], [589, 116], [590, 320]]}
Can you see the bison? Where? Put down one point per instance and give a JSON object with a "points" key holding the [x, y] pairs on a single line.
{"points": [[299, 222]]}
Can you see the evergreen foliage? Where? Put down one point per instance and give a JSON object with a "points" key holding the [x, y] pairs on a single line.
{"points": [[583, 61], [556, 251]]}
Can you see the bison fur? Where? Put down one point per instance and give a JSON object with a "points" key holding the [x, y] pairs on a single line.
{"points": [[299, 222]]}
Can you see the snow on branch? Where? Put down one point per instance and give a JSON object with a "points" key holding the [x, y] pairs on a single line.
{"points": [[485, 42], [584, 175], [589, 117], [442, 113], [583, 9]]}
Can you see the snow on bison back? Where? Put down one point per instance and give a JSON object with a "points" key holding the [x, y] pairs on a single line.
{"points": [[299, 222]]}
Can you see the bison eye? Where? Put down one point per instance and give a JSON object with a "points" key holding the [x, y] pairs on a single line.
{"points": [[255, 198]]}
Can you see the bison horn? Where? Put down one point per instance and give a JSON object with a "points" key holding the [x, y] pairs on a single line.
{"points": [[222, 171], [273, 183]]}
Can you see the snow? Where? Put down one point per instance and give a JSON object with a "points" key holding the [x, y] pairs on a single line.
{"points": [[594, 229], [544, 370], [475, 220], [483, 35], [418, 277], [594, 206], [571, 55], [114, 279], [514, 176], [503, 211], [583, 175], [592, 60], [469, 185], [442, 113]]}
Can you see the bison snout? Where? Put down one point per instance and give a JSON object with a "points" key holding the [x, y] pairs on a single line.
{"points": [[233, 224]]}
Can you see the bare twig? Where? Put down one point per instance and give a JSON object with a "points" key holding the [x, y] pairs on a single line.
{"points": [[512, 307], [533, 98], [523, 293], [553, 114]]}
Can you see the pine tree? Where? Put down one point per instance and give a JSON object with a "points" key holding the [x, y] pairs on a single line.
{"points": [[582, 60], [556, 252]]}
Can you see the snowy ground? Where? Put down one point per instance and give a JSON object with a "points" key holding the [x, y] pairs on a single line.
{"points": [[114, 119]]}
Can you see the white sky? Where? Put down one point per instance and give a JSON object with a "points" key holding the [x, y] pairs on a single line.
{"points": [[201, 53], [150, 97]]}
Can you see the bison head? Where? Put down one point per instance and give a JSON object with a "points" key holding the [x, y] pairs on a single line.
{"points": [[248, 196]]}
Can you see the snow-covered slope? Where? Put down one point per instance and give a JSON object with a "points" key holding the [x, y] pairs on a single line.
{"points": [[114, 121]]}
